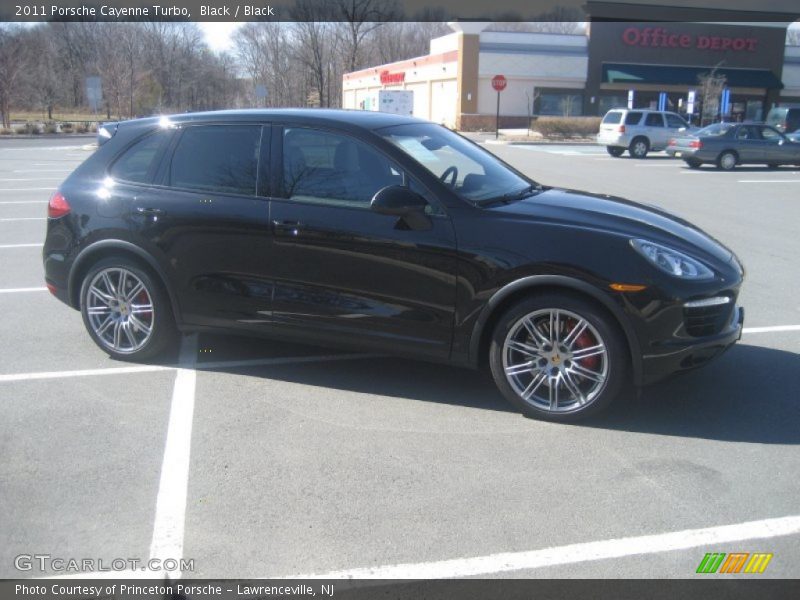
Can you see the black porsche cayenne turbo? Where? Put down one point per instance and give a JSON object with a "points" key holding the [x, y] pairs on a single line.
{"points": [[389, 234]]}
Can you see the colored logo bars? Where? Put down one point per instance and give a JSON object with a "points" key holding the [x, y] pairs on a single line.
{"points": [[736, 562]]}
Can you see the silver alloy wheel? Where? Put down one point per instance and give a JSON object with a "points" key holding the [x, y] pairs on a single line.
{"points": [[639, 148], [120, 310], [727, 161], [555, 360]]}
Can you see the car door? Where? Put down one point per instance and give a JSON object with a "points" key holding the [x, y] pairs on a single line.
{"points": [[749, 144], [344, 272], [656, 131], [211, 225], [777, 148]]}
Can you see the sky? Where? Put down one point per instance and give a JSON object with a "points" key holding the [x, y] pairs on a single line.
{"points": [[218, 35]]}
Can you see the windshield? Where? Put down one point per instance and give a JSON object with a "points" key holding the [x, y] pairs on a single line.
{"points": [[716, 129], [473, 173]]}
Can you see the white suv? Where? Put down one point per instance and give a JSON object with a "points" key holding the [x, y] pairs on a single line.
{"points": [[639, 131]]}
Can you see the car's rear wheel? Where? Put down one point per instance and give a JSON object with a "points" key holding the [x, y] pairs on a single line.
{"points": [[125, 310], [693, 163], [727, 160], [639, 147], [558, 357], [615, 151]]}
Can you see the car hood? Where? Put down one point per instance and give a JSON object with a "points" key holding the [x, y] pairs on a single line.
{"points": [[617, 215]]}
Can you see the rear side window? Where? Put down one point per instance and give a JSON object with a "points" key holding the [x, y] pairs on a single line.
{"points": [[654, 120], [633, 118], [612, 118], [217, 158], [136, 164]]}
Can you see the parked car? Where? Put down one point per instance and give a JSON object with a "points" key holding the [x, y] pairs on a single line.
{"points": [[729, 144], [785, 119], [639, 131], [389, 234]]}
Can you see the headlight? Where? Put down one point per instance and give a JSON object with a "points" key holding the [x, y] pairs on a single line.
{"points": [[671, 261]]}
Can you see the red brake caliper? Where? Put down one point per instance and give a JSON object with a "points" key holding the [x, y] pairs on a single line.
{"points": [[586, 340]]}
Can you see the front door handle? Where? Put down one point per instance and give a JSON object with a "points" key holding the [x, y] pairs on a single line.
{"points": [[288, 227]]}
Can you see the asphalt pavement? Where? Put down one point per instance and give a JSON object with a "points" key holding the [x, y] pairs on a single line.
{"points": [[260, 459]]}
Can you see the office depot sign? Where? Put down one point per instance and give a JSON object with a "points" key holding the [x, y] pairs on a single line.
{"points": [[661, 37]]}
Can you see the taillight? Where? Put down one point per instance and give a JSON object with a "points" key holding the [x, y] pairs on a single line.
{"points": [[58, 206], [695, 144], [621, 129]]}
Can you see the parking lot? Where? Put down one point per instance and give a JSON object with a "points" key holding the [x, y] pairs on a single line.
{"points": [[261, 459]]}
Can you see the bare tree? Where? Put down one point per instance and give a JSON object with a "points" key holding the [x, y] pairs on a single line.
{"points": [[711, 86], [12, 53], [358, 19]]}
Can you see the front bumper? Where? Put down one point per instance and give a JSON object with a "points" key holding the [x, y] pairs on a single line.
{"points": [[676, 355]]}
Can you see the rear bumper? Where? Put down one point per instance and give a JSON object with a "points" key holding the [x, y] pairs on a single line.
{"points": [[612, 139], [679, 355]]}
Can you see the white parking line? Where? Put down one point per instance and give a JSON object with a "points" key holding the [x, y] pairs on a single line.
{"points": [[769, 181], [36, 179], [776, 329], [27, 189], [167, 542], [660, 165], [25, 219], [24, 202], [574, 553], [206, 366], [22, 290], [43, 170], [21, 246]]}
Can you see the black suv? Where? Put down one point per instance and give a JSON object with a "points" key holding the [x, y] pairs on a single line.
{"points": [[383, 233]]}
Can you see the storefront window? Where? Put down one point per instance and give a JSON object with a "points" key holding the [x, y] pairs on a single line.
{"points": [[561, 105], [606, 103]]}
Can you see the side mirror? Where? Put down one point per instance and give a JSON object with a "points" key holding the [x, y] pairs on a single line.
{"points": [[399, 201]]}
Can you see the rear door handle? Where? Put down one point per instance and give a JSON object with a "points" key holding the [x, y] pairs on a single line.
{"points": [[288, 227], [149, 211]]}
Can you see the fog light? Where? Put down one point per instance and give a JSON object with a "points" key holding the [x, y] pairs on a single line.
{"points": [[716, 301]]}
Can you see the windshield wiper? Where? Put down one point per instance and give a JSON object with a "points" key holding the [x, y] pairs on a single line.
{"points": [[530, 190]]}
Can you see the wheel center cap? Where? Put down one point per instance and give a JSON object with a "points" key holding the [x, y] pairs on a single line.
{"points": [[555, 359]]}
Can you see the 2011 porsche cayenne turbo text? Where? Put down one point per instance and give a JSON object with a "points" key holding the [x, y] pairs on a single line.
{"points": [[387, 234]]}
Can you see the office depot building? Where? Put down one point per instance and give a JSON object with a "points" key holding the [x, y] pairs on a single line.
{"points": [[647, 63]]}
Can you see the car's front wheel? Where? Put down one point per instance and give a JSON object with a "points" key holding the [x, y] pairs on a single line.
{"points": [[558, 357], [125, 310], [615, 151], [727, 160]]}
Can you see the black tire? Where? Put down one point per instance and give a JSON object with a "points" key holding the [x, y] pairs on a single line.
{"points": [[639, 147], [727, 160], [129, 315], [693, 163], [613, 364], [773, 166], [615, 151]]}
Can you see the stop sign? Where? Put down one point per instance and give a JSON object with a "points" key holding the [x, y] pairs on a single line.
{"points": [[499, 83]]}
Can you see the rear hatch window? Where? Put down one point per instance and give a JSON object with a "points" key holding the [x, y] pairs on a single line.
{"points": [[612, 118]]}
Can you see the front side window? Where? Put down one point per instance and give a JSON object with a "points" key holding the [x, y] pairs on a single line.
{"points": [[217, 158], [675, 122], [473, 173], [324, 167], [137, 162]]}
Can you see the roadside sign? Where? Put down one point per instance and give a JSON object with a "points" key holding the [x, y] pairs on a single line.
{"points": [[499, 83]]}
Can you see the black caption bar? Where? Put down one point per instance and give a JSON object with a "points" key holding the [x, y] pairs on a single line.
{"points": [[472, 589], [396, 10]]}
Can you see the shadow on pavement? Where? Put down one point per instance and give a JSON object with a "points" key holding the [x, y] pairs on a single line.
{"points": [[751, 394]]}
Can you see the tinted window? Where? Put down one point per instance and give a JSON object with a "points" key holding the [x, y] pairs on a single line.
{"points": [[633, 118], [613, 117], [217, 158], [135, 163], [674, 121], [470, 171], [654, 120], [329, 168]]}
